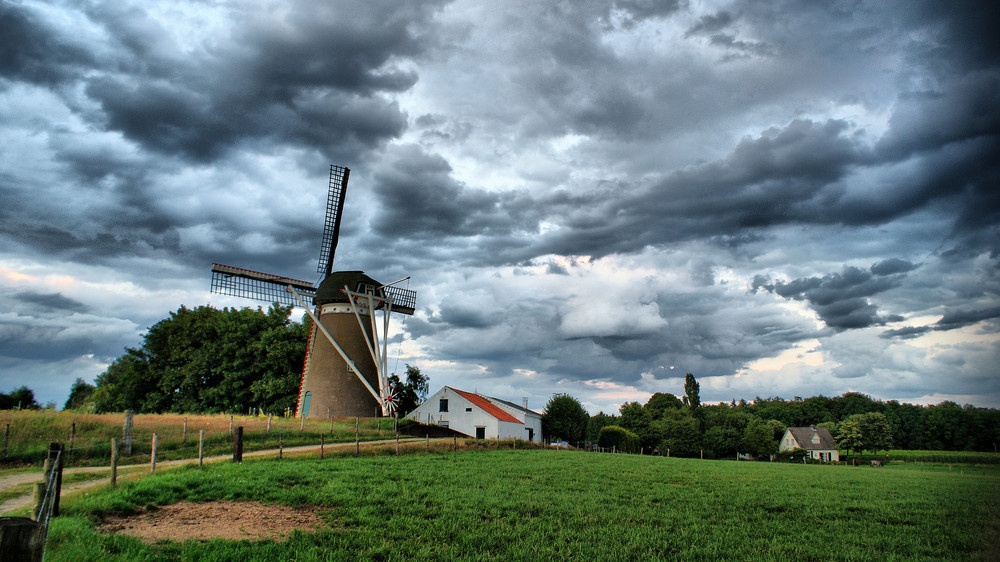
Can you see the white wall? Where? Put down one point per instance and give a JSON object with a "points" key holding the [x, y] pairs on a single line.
{"points": [[461, 419]]}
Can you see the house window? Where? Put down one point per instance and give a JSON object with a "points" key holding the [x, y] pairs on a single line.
{"points": [[443, 405], [468, 409]]}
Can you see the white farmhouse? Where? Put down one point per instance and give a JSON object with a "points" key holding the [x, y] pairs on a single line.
{"points": [[479, 416], [816, 440]]}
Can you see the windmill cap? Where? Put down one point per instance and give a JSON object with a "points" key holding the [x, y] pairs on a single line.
{"points": [[331, 289]]}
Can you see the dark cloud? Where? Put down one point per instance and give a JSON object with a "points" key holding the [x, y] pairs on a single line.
{"points": [[711, 24], [32, 51], [840, 299], [52, 302], [954, 319]]}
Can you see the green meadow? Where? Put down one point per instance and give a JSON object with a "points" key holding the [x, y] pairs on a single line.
{"points": [[562, 505]]}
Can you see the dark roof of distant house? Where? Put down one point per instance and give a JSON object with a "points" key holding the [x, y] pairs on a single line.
{"points": [[513, 405], [487, 406], [804, 437]]}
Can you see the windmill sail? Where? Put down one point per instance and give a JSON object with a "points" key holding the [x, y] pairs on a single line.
{"points": [[334, 209], [238, 282]]}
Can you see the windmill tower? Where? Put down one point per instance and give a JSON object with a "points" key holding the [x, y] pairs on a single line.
{"points": [[346, 366]]}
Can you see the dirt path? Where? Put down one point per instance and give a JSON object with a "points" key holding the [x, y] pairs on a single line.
{"points": [[133, 470]]}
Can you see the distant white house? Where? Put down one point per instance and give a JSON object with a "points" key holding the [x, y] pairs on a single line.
{"points": [[482, 417], [816, 440]]}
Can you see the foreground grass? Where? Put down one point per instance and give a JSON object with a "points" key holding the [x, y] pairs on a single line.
{"points": [[519, 505]]}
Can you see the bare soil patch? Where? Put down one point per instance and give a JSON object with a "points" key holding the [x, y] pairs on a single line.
{"points": [[222, 519]]}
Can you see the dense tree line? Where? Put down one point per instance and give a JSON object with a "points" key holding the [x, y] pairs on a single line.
{"points": [[859, 423], [23, 398], [206, 360]]}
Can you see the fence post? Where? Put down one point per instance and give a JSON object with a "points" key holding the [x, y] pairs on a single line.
{"points": [[427, 442], [56, 453], [281, 445], [184, 434], [302, 424], [269, 416], [6, 439], [357, 438], [201, 447], [20, 539], [321, 446], [37, 498], [114, 461], [127, 433], [72, 435], [152, 454], [454, 443], [230, 427], [238, 445]]}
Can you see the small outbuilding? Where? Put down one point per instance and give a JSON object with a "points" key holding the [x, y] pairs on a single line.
{"points": [[816, 440], [482, 417]]}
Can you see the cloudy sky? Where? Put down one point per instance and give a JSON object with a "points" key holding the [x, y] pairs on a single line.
{"points": [[785, 198]]}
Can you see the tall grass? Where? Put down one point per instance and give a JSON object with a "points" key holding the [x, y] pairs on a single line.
{"points": [[31, 431], [560, 505]]}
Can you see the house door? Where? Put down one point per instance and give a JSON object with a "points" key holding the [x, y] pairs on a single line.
{"points": [[305, 404], [480, 433], [531, 433]]}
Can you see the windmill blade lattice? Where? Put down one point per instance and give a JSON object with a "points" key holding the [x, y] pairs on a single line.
{"points": [[246, 283], [339, 176]]}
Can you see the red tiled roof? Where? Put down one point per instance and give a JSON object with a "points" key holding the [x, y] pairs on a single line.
{"points": [[487, 406]]}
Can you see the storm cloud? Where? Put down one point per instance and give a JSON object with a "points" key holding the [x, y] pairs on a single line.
{"points": [[788, 198]]}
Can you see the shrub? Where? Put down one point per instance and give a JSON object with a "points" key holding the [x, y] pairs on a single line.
{"points": [[618, 437]]}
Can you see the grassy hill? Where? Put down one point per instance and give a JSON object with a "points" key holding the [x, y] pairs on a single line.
{"points": [[546, 504]]}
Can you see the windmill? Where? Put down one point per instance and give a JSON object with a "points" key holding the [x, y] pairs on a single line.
{"points": [[346, 366]]}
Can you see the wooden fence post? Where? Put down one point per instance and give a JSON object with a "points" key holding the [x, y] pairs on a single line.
{"points": [[6, 439], [454, 443], [184, 433], [321, 444], [238, 445], [302, 424], [427, 442], [114, 462], [58, 456], [201, 447], [230, 427], [152, 455], [72, 435], [37, 497], [127, 432], [281, 445], [269, 416], [19, 539]]}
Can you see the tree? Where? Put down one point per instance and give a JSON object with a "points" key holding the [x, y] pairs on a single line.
{"points": [[209, 360], [691, 388], [682, 434], [564, 418], [659, 403], [638, 420], [758, 437], [79, 393], [22, 397], [412, 392], [596, 423], [865, 432]]}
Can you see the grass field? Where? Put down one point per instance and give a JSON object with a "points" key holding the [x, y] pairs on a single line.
{"points": [[544, 504], [32, 430]]}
